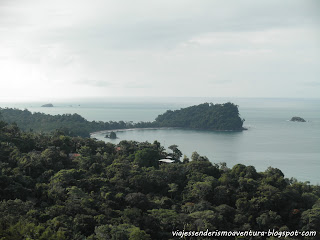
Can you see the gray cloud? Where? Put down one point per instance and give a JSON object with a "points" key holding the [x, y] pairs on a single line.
{"points": [[156, 29], [165, 24], [142, 47], [95, 83], [312, 84]]}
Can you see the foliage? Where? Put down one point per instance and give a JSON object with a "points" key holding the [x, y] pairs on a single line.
{"points": [[61, 187], [204, 116], [113, 135], [69, 124]]}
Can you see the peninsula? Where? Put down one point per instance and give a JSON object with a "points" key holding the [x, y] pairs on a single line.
{"points": [[206, 116]]}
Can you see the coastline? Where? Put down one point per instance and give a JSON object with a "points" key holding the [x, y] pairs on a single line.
{"points": [[129, 129], [160, 128]]}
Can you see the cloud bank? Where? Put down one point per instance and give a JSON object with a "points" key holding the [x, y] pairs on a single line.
{"points": [[67, 49]]}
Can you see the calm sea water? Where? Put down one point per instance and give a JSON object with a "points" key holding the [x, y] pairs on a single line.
{"points": [[271, 140]]}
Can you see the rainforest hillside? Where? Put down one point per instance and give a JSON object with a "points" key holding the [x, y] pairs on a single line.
{"points": [[61, 187], [70, 124]]}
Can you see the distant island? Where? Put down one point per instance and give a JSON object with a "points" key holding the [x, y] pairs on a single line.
{"points": [[297, 119], [206, 116], [47, 105]]}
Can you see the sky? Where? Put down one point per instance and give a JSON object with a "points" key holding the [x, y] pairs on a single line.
{"points": [[51, 50]]}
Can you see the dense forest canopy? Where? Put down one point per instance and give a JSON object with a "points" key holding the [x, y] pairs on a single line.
{"points": [[70, 124], [203, 116], [54, 186]]}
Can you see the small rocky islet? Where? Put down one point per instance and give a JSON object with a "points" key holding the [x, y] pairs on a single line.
{"points": [[47, 105], [297, 119]]}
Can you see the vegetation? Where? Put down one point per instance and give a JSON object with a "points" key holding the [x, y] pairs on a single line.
{"points": [[70, 124], [204, 116], [112, 135], [62, 187]]}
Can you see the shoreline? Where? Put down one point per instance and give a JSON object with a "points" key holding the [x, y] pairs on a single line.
{"points": [[129, 129], [160, 128]]}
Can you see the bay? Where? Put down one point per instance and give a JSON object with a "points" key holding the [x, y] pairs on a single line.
{"points": [[271, 139]]}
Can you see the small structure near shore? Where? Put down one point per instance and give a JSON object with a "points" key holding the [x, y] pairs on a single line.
{"points": [[165, 160], [297, 119], [168, 159]]}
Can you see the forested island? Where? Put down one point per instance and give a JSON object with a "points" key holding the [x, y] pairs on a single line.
{"points": [[56, 187], [206, 116]]}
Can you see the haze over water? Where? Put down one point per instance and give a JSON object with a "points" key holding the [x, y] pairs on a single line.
{"points": [[271, 140]]}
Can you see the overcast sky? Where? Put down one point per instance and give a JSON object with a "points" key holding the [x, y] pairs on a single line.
{"points": [[73, 49]]}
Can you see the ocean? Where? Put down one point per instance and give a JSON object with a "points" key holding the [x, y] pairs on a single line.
{"points": [[271, 139]]}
